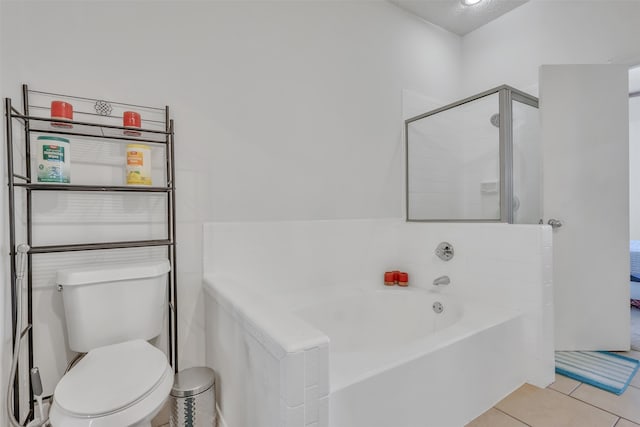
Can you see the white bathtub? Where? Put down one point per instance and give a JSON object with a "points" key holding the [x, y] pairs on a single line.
{"points": [[392, 361]]}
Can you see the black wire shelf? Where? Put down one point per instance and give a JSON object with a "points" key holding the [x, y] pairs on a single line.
{"points": [[92, 130], [99, 188], [98, 246]]}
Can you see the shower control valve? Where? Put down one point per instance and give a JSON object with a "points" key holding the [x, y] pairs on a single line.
{"points": [[444, 251]]}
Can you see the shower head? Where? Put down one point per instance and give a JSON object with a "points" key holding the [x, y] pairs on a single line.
{"points": [[495, 120]]}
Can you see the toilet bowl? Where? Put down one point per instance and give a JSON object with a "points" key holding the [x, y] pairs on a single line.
{"points": [[124, 384], [111, 311]]}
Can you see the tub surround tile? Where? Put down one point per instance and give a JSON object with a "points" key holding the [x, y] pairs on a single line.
{"points": [[564, 384], [230, 247], [545, 407], [311, 405], [278, 330], [547, 236], [323, 370], [311, 367], [627, 405], [547, 294], [495, 418], [323, 412], [291, 417], [292, 379]]}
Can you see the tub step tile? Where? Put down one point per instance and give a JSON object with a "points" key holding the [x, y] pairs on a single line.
{"points": [[323, 370], [627, 405], [291, 417], [495, 418], [546, 407], [292, 378], [311, 367], [323, 412], [311, 405]]}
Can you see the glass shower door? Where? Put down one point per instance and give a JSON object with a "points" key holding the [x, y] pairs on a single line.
{"points": [[453, 163], [527, 177]]}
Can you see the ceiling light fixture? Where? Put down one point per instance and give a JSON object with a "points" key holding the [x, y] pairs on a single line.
{"points": [[470, 2]]}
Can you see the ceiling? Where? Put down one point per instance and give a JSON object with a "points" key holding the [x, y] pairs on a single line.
{"points": [[452, 15]]}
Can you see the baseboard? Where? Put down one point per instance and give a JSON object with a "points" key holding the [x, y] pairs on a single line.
{"points": [[221, 421]]}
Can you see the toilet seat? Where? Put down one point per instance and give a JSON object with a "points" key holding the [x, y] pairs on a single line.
{"points": [[118, 384]]}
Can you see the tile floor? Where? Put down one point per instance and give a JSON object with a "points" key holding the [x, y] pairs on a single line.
{"points": [[162, 419], [566, 403]]}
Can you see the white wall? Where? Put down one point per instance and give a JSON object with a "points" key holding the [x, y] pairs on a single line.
{"points": [[5, 292], [510, 49], [283, 110]]}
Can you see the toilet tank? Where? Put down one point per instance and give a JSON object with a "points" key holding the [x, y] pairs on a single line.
{"points": [[108, 304]]}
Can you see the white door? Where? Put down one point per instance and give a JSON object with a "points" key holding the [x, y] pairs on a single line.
{"points": [[585, 141]]}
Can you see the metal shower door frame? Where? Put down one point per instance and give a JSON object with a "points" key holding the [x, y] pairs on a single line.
{"points": [[506, 96]]}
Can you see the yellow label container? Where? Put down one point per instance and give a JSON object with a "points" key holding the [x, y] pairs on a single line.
{"points": [[138, 164]]}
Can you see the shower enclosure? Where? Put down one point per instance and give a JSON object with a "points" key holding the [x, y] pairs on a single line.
{"points": [[478, 159]]}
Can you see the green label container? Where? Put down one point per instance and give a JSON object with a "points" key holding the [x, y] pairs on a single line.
{"points": [[53, 162]]}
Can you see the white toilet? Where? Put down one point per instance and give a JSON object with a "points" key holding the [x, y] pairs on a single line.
{"points": [[111, 312]]}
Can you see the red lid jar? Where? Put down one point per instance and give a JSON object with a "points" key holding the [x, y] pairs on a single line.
{"points": [[389, 278], [403, 279], [61, 110]]}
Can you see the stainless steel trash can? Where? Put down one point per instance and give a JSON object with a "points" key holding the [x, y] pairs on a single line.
{"points": [[193, 398]]}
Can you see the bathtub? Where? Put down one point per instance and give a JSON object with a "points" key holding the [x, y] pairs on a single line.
{"points": [[359, 355]]}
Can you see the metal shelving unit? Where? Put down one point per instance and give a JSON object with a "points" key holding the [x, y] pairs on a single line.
{"points": [[100, 129]]}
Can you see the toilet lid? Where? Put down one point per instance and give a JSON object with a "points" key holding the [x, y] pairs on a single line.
{"points": [[110, 378]]}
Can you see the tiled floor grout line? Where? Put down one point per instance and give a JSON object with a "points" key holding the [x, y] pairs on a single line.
{"points": [[594, 406], [511, 416], [573, 389]]}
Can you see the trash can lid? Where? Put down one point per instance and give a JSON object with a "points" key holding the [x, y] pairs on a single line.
{"points": [[192, 381]]}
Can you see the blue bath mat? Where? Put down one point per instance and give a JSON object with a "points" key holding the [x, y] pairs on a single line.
{"points": [[608, 371]]}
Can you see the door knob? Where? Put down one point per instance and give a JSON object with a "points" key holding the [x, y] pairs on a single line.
{"points": [[555, 223]]}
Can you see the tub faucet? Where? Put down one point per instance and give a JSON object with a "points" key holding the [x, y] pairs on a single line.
{"points": [[441, 281]]}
